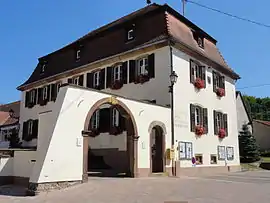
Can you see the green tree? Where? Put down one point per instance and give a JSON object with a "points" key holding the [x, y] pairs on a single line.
{"points": [[248, 148]]}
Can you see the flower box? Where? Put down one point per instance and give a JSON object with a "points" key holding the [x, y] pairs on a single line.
{"points": [[117, 84], [115, 130], [199, 130], [94, 132], [222, 133], [199, 83], [142, 79], [220, 92]]}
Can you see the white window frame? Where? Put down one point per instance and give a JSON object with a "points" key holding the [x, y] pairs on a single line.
{"points": [[78, 56], [96, 79], [75, 80], [219, 120], [32, 96], [142, 66], [43, 68], [30, 127], [130, 34], [95, 120], [117, 72], [115, 117], [185, 150], [199, 155], [45, 93], [58, 85], [197, 116], [213, 155]]}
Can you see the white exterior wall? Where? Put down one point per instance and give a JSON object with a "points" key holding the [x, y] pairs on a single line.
{"points": [[23, 163], [6, 166], [155, 89], [242, 116], [184, 94], [60, 150]]}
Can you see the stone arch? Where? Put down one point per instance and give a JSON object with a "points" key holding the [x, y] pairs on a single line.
{"points": [[157, 123], [132, 134]]}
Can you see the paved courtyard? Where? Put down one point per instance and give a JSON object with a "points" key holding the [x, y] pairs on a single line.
{"points": [[246, 187]]}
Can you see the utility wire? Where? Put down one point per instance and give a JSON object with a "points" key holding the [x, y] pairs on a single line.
{"points": [[228, 14], [262, 85]]}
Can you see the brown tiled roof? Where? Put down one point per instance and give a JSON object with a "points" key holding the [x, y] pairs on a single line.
{"points": [[263, 122], [15, 106], [3, 117], [154, 25]]}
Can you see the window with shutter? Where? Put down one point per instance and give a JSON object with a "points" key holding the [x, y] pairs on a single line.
{"points": [[220, 122], [125, 72], [192, 118], [53, 92], [69, 80], [45, 93], [142, 66], [117, 72], [115, 117], [197, 74], [25, 130], [40, 95], [35, 129], [225, 120], [218, 84], [109, 77], [30, 127], [90, 81], [102, 79], [151, 65], [132, 70], [27, 99], [81, 80], [95, 120], [96, 79], [198, 119], [205, 120]]}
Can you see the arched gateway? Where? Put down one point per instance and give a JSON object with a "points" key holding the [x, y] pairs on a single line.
{"points": [[131, 135]]}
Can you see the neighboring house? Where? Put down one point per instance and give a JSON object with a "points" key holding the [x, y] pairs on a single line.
{"points": [[102, 102], [9, 121], [243, 116], [261, 131]]}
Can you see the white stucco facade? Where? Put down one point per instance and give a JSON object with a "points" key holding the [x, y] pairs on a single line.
{"points": [[185, 93], [242, 114]]}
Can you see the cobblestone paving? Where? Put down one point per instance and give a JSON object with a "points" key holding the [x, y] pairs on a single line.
{"points": [[246, 187]]}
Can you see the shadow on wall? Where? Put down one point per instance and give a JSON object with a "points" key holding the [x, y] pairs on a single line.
{"points": [[6, 171]]}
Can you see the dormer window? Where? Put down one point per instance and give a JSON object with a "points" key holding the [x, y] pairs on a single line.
{"points": [[130, 34], [43, 68], [199, 39], [78, 54]]}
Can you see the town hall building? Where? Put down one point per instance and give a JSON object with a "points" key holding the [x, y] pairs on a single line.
{"points": [[148, 93]]}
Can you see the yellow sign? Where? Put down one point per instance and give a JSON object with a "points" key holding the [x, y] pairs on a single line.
{"points": [[170, 154], [113, 100]]}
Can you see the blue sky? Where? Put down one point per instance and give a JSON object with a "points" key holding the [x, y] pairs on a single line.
{"points": [[31, 29]]}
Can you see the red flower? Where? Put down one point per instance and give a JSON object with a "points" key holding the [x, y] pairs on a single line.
{"points": [[222, 133], [117, 84], [220, 92], [199, 130], [142, 79], [199, 83]]}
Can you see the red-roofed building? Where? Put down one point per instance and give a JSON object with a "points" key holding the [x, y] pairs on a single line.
{"points": [[261, 131]]}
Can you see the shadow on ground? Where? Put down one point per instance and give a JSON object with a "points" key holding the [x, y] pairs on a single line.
{"points": [[12, 190]]}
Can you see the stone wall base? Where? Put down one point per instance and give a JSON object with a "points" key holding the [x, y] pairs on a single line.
{"points": [[35, 188], [204, 171]]}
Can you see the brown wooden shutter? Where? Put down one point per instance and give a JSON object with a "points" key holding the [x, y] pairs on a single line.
{"points": [[35, 129], [48, 93], [124, 72], [102, 120], [102, 79], [25, 130], [192, 71], [70, 81], [192, 118], [109, 77], [53, 92], [40, 95], [215, 123], [225, 120], [132, 70], [151, 65], [203, 70], [27, 99], [81, 80], [205, 120], [89, 80], [214, 81]]}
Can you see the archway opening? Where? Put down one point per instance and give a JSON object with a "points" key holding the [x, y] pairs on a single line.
{"points": [[157, 142], [110, 152]]}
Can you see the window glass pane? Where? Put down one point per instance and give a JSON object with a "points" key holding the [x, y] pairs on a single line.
{"points": [[182, 150]]}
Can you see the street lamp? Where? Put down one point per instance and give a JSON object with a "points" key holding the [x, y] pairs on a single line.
{"points": [[173, 80]]}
